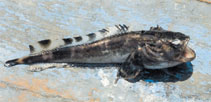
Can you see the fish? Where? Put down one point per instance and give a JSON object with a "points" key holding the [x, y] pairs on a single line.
{"points": [[155, 48]]}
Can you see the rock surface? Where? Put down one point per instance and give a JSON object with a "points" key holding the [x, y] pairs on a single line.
{"points": [[24, 22]]}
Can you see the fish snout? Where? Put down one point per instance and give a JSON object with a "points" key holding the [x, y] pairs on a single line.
{"points": [[188, 55]]}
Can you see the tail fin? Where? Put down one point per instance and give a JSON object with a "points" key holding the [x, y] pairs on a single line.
{"points": [[11, 63], [17, 61], [26, 60]]}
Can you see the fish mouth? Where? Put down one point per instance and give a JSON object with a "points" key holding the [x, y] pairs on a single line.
{"points": [[188, 55]]}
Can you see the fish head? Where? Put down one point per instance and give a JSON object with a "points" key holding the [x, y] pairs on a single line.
{"points": [[168, 50], [177, 48]]}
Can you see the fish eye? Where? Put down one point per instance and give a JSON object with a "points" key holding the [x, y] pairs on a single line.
{"points": [[176, 42]]}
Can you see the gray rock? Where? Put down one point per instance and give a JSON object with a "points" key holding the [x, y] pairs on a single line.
{"points": [[23, 22]]}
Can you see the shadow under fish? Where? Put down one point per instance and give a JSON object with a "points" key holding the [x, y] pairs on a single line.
{"points": [[181, 72]]}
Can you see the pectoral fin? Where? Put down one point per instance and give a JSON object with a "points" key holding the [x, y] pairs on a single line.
{"points": [[131, 67]]}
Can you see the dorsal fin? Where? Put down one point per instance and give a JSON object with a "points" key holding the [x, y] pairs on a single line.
{"points": [[45, 43], [91, 36], [78, 38], [158, 28], [67, 40], [31, 49], [50, 44]]}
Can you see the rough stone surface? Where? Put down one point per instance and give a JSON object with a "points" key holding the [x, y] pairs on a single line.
{"points": [[23, 22]]}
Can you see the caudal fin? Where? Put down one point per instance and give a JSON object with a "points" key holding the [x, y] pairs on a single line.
{"points": [[11, 63], [26, 60]]}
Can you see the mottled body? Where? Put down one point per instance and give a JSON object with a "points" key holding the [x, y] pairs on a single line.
{"points": [[108, 50]]}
